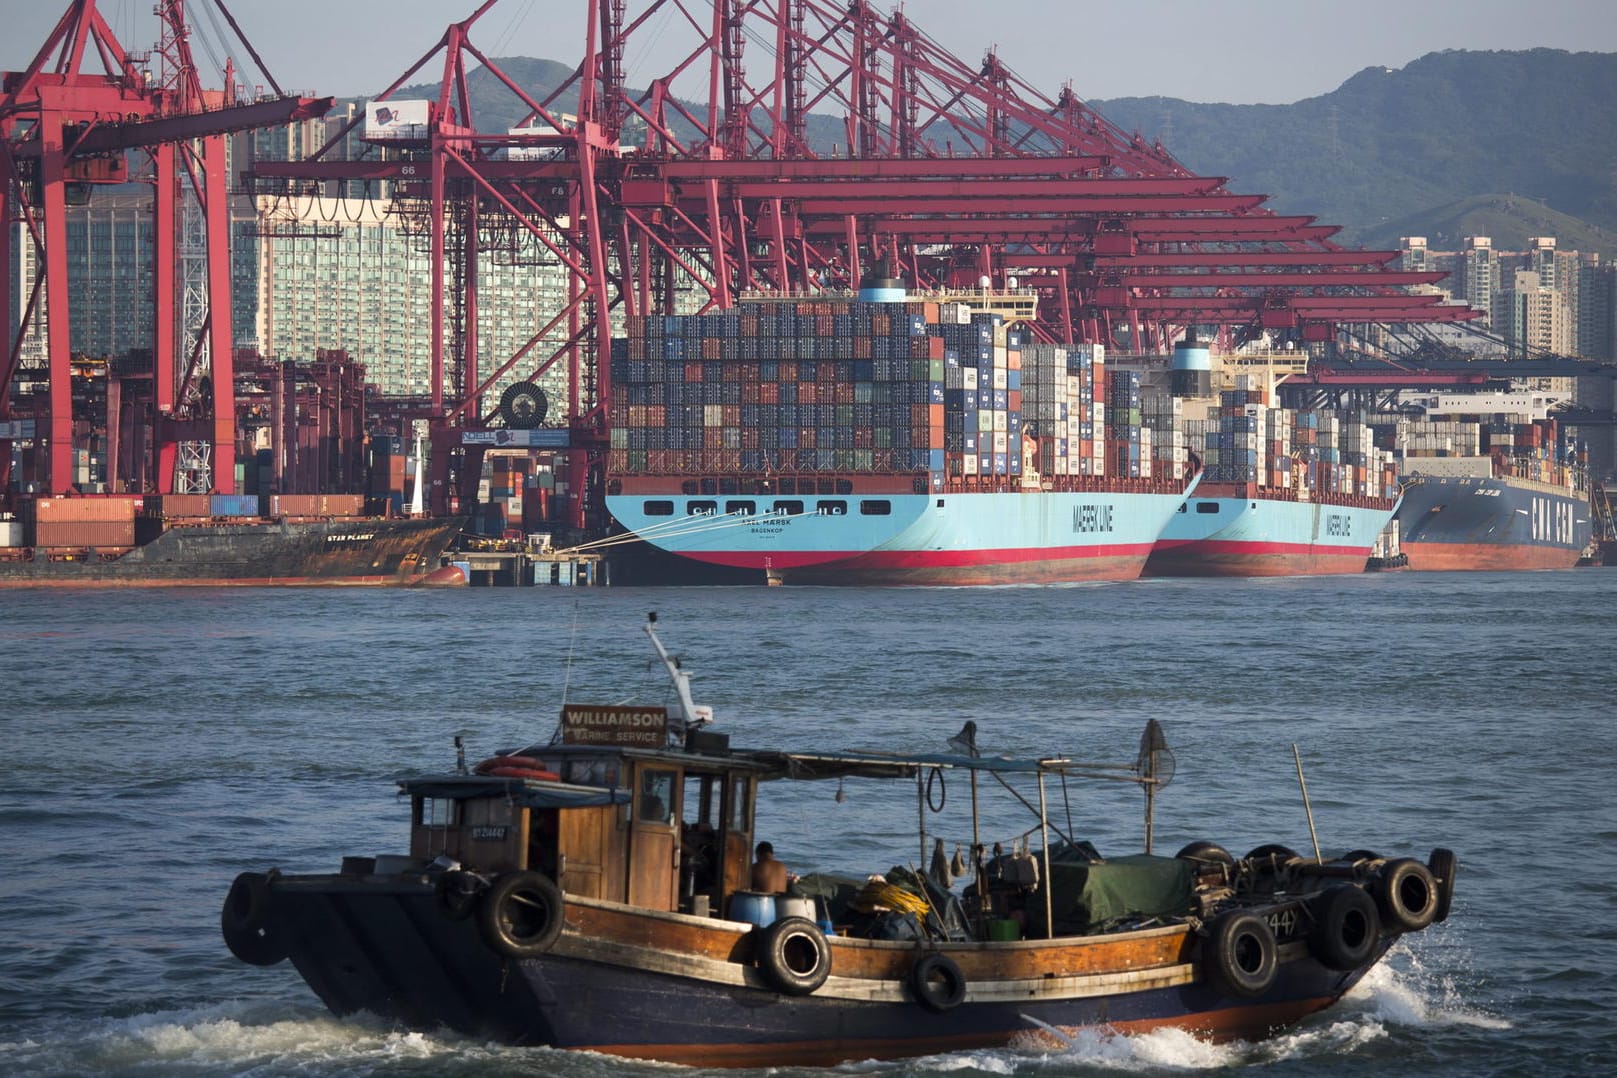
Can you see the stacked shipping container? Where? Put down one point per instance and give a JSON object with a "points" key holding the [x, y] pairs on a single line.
{"points": [[918, 388]]}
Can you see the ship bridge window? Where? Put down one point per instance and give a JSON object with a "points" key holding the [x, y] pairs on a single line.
{"points": [[788, 509], [659, 509], [875, 507], [831, 509], [745, 509], [1206, 507], [701, 509]]}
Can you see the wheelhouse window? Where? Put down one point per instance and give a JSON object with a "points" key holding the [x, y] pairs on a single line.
{"points": [[831, 508], [875, 507], [740, 806], [1206, 507], [745, 509], [788, 509], [702, 509], [659, 509], [438, 812], [656, 796]]}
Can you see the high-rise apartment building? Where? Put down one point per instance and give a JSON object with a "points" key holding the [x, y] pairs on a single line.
{"points": [[1478, 276]]}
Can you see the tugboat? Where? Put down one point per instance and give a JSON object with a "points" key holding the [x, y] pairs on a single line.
{"points": [[594, 892]]}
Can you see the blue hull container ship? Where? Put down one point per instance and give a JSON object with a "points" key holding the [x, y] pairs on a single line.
{"points": [[887, 440]]}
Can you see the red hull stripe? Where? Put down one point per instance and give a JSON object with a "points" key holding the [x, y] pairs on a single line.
{"points": [[1238, 1022], [1237, 546], [1453, 557], [913, 559]]}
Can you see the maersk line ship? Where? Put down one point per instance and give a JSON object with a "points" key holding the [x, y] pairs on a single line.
{"points": [[884, 439], [1229, 531]]}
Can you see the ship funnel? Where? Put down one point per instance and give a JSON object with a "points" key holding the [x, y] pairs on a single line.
{"points": [[1192, 373]]}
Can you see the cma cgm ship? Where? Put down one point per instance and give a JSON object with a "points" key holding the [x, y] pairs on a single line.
{"points": [[882, 440], [1458, 514]]}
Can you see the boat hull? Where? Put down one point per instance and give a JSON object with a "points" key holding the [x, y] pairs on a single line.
{"points": [[682, 989], [1454, 523], [1037, 537], [1221, 532], [322, 552]]}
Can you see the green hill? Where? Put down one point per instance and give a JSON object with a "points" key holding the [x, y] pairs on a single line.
{"points": [[1389, 145], [1508, 219]]}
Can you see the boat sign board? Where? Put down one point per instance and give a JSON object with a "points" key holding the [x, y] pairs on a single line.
{"points": [[630, 727]]}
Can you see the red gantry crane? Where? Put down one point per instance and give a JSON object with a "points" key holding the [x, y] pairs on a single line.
{"points": [[834, 138], [67, 123]]}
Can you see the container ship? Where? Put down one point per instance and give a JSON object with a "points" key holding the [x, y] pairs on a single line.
{"points": [[883, 439], [217, 539], [1495, 493], [1287, 492]]}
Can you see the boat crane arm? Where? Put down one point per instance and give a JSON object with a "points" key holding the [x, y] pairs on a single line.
{"points": [[693, 715]]}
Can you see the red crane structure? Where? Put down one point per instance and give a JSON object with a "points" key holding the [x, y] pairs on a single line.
{"points": [[854, 142], [834, 138], [65, 125]]}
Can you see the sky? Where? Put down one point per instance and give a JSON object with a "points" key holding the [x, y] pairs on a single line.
{"points": [[1235, 51]]}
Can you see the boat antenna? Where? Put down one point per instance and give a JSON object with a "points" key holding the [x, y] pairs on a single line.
{"points": [[1307, 808], [567, 676]]}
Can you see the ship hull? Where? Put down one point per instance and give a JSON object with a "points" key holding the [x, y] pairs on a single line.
{"points": [[684, 990], [323, 552], [1224, 533], [1455, 523], [1037, 537]]}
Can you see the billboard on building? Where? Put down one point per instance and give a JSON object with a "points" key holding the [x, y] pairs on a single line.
{"points": [[389, 120]]}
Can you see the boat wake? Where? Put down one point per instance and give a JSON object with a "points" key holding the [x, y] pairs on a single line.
{"points": [[1394, 998]]}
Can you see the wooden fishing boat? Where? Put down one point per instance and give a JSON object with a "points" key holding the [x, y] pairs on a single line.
{"points": [[593, 892]]}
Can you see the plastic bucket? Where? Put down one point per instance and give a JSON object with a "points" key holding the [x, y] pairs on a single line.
{"points": [[753, 908], [1004, 929], [794, 906]]}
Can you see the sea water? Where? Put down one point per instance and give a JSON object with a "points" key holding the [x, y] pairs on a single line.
{"points": [[158, 742]]}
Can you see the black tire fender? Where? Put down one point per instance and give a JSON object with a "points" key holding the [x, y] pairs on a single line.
{"points": [[455, 894], [1407, 894], [246, 922], [1443, 865], [1346, 927], [938, 983], [1273, 850], [1241, 954], [1206, 851], [521, 915], [793, 955]]}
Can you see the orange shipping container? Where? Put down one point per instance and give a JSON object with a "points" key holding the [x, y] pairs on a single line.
{"points": [[87, 510]]}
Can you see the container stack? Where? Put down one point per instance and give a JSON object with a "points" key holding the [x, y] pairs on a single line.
{"points": [[98, 523], [1249, 440], [1128, 443], [923, 387], [812, 385], [1060, 404]]}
